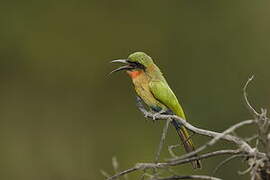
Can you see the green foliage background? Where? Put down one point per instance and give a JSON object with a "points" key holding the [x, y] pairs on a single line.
{"points": [[63, 118]]}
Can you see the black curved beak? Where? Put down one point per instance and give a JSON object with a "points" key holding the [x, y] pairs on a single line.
{"points": [[124, 61]]}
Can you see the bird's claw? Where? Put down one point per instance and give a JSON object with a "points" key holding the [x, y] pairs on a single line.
{"points": [[147, 114], [155, 116], [150, 116]]}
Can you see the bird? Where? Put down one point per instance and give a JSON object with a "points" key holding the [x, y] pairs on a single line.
{"points": [[152, 87]]}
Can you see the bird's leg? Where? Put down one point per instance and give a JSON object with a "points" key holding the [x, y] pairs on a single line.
{"points": [[148, 114], [162, 139]]}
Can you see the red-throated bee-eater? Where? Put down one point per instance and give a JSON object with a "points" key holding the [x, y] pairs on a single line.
{"points": [[151, 86]]}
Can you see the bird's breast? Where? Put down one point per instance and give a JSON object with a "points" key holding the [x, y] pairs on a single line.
{"points": [[141, 84]]}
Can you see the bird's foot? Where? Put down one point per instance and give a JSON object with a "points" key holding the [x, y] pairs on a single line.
{"points": [[155, 115], [151, 116], [147, 114]]}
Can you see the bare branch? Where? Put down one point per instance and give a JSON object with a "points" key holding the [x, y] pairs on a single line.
{"points": [[170, 149], [205, 156], [189, 177], [222, 163], [249, 139], [242, 144], [162, 140], [199, 130], [145, 166], [123, 173], [253, 112], [216, 136]]}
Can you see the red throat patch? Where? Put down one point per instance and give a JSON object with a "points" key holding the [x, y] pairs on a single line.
{"points": [[134, 74]]}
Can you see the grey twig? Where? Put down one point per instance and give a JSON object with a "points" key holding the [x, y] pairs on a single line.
{"points": [[123, 173], [249, 139], [222, 163], [162, 140], [145, 166], [205, 156], [170, 149], [188, 177], [253, 112], [241, 143]]}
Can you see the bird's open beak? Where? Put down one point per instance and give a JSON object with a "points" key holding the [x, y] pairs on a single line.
{"points": [[126, 67]]}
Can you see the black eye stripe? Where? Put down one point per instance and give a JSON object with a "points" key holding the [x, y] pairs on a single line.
{"points": [[137, 65], [140, 66]]}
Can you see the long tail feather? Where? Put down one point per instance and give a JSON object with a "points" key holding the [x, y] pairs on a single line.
{"points": [[187, 142]]}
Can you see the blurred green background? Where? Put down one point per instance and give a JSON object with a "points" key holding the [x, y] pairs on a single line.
{"points": [[63, 118]]}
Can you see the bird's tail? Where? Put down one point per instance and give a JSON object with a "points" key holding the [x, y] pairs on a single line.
{"points": [[187, 142]]}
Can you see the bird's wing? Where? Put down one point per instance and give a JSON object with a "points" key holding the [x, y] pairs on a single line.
{"points": [[162, 92]]}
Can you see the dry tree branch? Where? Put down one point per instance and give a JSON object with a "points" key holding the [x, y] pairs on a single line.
{"points": [[162, 140], [217, 136], [145, 166], [258, 161], [207, 155], [188, 177], [222, 163], [252, 111], [259, 167]]}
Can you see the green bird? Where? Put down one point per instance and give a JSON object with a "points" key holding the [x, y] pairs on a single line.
{"points": [[151, 86]]}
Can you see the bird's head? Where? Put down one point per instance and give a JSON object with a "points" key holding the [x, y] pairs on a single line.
{"points": [[135, 63], [140, 58]]}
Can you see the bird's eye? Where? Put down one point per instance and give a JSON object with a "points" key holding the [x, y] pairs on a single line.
{"points": [[140, 66], [137, 65]]}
